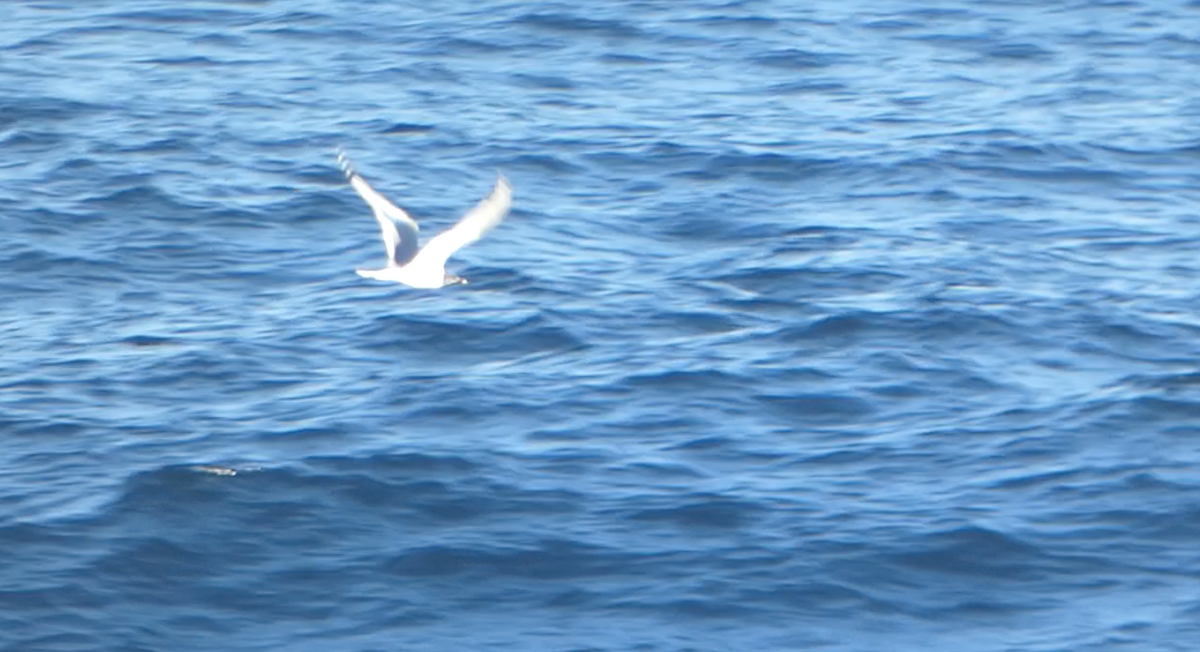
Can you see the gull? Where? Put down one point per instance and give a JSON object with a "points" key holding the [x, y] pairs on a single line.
{"points": [[425, 267]]}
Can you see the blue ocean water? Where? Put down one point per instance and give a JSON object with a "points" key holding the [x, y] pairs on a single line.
{"points": [[861, 325]]}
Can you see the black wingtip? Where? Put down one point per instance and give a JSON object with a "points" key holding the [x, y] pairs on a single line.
{"points": [[346, 165]]}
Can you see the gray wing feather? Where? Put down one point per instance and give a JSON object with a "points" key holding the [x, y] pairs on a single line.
{"points": [[398, 228]]}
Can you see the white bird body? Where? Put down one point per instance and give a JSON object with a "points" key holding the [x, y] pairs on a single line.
{"points": [[424, 278], [425, 267]]}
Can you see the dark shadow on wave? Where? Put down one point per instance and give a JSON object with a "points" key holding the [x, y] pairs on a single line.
{"points": [[699, 512], [549, 560], [568, 24], [448, 337], [817, 408]]}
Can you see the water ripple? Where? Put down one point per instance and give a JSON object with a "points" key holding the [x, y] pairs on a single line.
{"points": [[854, 326]]}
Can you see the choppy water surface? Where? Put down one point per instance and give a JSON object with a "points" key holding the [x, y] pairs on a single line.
{"points": [[854, 325]]}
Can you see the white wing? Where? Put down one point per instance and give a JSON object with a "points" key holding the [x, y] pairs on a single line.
{"points": [[479, 220], [399, 230]]}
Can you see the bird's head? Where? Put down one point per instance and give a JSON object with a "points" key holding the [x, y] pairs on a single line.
{"points": [[451, 279]]}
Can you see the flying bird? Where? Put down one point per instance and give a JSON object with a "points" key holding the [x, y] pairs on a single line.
{"points": [[408, 262]]}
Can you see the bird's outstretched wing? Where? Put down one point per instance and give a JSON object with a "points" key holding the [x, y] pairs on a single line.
{"points": [[479, 220], [398, 228]]}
